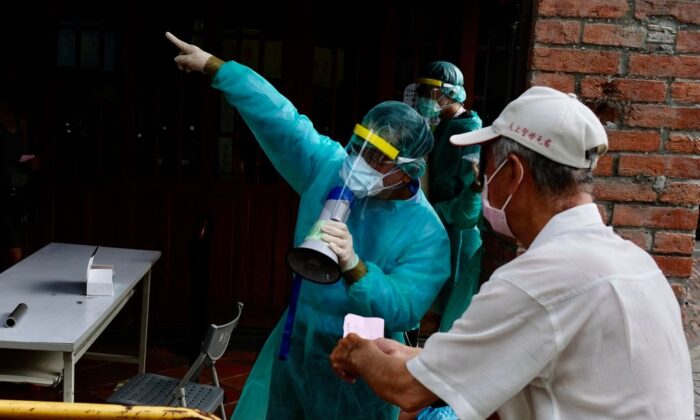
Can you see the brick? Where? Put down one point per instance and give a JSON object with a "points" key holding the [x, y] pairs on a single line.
{"points": [[683, 11], [609, 190], [589, 8], [656, 116], [637, 236], [686, 92], [680, 193], [688, 41], [683, 143], [631, 165], [674, 243], [557, 31], [687, 167], [654, 217], [605, 166], [561, 82], [633, 141], [674, 266], [623, 89], [575, 61], [615, 35], [664, 65]]}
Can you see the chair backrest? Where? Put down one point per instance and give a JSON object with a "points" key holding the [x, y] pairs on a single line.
{"points": [[213, 347], [218, 336]]}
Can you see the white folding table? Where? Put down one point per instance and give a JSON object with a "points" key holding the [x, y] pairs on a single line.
{"points": [[61, 322]]}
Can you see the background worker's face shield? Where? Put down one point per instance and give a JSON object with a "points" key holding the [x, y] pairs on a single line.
{"points": [[431, 97], [429, 89]]}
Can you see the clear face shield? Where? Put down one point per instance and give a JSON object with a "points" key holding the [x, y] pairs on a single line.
{"points": [[429, 95], [371, 159], [429, 89], [374, 149]]}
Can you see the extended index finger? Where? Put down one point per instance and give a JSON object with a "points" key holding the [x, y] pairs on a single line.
{"points": [[182, 45]]}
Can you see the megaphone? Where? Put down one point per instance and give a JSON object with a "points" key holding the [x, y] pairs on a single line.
{"points": [[313, 259]]}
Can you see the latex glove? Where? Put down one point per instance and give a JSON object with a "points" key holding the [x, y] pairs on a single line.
{"points": [[191, 57], [340, 241]]}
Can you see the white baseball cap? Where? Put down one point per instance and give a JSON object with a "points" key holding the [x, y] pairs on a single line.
{"points": [[551, 123]]}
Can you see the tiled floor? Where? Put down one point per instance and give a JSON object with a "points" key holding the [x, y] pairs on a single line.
{"points": [[96, 380]]}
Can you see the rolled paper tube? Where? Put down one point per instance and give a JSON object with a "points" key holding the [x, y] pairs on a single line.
{"points": [[16, 315]]}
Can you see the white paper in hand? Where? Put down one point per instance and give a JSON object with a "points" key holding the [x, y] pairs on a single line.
{"points": [[369, 328]]}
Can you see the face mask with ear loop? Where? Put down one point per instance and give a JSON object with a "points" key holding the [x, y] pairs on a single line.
{"points": [[496, 217], [430, 108], [359, 176]]}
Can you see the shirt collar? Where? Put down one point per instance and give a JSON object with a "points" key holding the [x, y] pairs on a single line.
{"points": [[573, 218]]}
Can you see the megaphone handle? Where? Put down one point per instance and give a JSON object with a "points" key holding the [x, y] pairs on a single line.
{"points": [[291, 314]]}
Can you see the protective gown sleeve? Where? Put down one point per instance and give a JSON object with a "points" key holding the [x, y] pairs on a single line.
{"points": [[288, 138], [462, 211], [403, 294]]}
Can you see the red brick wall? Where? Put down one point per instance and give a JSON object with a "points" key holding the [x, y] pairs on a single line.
{"points": [[636, 63]]}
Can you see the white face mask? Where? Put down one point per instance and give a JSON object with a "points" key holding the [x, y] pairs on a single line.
{"points": [[496, 217], [362, 179]]}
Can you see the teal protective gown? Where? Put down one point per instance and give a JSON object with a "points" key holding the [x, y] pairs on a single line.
{"points": [[402, 242], [459, 208]]}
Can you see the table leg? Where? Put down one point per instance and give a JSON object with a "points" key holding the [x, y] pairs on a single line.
{"points": [[68, 377], [144, 321]]}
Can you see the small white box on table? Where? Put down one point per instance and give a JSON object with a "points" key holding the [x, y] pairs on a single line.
{"points": [[100, 278]]}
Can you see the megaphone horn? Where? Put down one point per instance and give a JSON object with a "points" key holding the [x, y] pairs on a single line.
{"points": [[313, 259]]}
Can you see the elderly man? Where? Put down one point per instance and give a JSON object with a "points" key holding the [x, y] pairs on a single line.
{"points": [[583, 325]]}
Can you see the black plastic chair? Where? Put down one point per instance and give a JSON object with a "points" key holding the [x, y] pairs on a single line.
{"points": [[159, 390]]}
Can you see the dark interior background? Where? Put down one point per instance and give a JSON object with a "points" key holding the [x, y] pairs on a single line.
{"points": [[137, 154]]}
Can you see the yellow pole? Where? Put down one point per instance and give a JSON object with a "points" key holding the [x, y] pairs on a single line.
{"points": [[16, 409]]}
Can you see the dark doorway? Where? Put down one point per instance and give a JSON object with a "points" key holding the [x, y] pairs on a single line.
{"points": [[135, 153]]}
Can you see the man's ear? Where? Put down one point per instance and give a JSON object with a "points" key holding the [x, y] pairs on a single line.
{"points": [[517, 174]]}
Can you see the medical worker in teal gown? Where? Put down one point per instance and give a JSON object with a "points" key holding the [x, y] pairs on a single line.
{"points": [[451, 175], [394, 252]]}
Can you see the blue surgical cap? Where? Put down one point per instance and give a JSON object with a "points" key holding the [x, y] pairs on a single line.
{"points": [[447, 72], [405, 129]]}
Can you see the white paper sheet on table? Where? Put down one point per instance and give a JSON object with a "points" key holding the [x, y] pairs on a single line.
{"points": [[365, 327]]}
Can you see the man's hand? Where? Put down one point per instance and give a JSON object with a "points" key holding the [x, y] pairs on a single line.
{"points": [[341, 357], [396, 349], [382, 365], [340, 241], [191, 57]]}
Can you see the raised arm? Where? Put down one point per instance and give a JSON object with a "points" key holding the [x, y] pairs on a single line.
{"points": [[288, 138]]}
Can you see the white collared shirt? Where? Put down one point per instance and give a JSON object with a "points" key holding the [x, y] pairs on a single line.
{"points": [[583, 325]]}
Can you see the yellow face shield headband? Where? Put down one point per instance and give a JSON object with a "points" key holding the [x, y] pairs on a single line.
{"points": [[433, 82], [376, 141]]}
